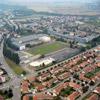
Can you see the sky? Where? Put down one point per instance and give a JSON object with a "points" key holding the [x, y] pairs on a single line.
{"points": [[30, 2]]}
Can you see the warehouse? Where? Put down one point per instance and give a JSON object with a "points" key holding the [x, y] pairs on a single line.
{"points": [[36, 39], [18, 46]]}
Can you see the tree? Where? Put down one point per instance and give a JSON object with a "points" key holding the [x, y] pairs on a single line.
{"points": [[54, 62], [24, 73], [57, 98], [82, 49], [16, 58], [10, 54], [85, 89], [42, 56], [10, 93], [76, 76], [5, 92], [91, 83]]}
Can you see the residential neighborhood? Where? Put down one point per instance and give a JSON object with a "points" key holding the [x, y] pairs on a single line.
{"points": [[70, 79]]}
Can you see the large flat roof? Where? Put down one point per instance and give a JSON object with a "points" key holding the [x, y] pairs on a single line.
{"points": [[46, 61], [28, 38]]}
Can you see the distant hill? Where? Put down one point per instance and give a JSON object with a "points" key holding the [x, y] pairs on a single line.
{"points": [[79, 8]]}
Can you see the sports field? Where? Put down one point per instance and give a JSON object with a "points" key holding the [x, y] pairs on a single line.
{"points": [[47, 48]]}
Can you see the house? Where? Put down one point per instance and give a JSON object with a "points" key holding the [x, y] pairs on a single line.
{"points": [[82, 77], [1, 72], [97, 59], [56, 70], [31, 79], [97, 90], [64, 76], [25, 97], [98, 64], [93, 97], [96, 77], [58, 88], [24, 86], [73, 96], [88, 69], [40, 87], [75, 69], [74, 85], [43, 76], [1, 98], [83, 64], [42, 96], [50, 82], [2, 79]]}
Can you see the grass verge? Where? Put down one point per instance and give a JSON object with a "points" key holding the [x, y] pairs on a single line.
{"points": [[16, 68]]}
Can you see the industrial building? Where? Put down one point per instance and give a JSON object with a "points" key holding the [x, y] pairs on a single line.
{"points": [[21, 42]]}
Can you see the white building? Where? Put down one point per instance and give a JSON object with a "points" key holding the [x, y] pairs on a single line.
{"points": [[45, 39], [45, 61]]}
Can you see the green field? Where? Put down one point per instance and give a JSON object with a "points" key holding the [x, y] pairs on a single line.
{"points": [[67, 91], [16, 68], [47, 48]]}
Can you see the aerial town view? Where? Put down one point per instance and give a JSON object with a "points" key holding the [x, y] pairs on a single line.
{"points": [[50, 50]]}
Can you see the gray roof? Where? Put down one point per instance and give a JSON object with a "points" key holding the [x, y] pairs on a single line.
{"points": [[28, 38]]}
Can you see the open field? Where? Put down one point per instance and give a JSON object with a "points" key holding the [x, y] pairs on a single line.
{"points": [[16, 68], [47, 48]]}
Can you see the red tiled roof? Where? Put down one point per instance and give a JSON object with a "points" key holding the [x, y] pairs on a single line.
{"points": [[88, 69], [83, 64], [74, 85], [73, 96], [64, 75], [61, 86], [93, 97], [82, 77], [76, 68], [24, 86], [98, 64], [97, 90], [31, 79], [1, 98], [43, 76], [96, 77], [40, 87], [26, 97], [49, 83], [42, 96], [56, 70]]}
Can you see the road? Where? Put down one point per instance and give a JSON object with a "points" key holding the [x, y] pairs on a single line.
{"points": [[89, 91], [14, 82]]}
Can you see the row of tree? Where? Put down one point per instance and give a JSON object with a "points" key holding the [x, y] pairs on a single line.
{"points": [[10, 54]]}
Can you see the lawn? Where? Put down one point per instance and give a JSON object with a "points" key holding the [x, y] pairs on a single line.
{"points": [[16, 68], [67, 91], [47, 48], [90, 74]]}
